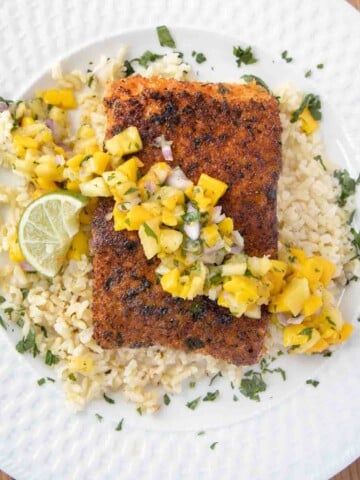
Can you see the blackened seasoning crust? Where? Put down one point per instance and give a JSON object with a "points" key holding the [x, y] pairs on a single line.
{"points": [[230, 132]]}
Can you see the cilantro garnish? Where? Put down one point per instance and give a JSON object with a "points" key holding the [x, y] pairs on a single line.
{"points": [[108, 399], [318, 158], [212, 380], [285, 56], [211, 396], [119, 425], [314, 383], [313, 103], [149, 231], [199, 57], [2, 323], [213, 445], [194, 403], [165, 38], [51, 359], [347, 185], [28, 343], [167, 399], [244, 56], [252, 385], [250, 78]]}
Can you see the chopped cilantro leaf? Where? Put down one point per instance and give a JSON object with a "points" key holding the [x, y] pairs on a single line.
{"points": [[108, 399], [347, 185], [149, 231], [327, 354], [212, 380], [2, 299], [44, 331], [285, 56], [201, 433], [139, 411], [314, 383], [72, 377], [308, 74], [41, 381], [235, 398], [307, 331], [251, 387], [351, 217], [28, 343], [199, 57], [313, 103], [99, 417], [192, 384], [194, 403], [51, 359], [167, 399], [213, 445], [90, 80], [8, 102], [2, 323], [257, 80], [320, 66], [165, 38], [128, 68], [211, 396], [147, 57], [244, 56], [319, 159], [24, 292], [191, 217], [119, 425], [50, 379]]}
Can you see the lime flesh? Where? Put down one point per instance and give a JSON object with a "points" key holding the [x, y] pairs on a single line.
{"points": [[47, 228]]}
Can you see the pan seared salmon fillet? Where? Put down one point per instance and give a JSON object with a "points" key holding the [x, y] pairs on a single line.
{"points": [[231, 132]]}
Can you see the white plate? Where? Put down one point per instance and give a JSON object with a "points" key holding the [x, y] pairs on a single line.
{"points": [[294, 432]]}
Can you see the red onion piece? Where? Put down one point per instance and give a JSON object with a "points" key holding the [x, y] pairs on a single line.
{"points": [[3, 107], [27, 267], [167, 153]]}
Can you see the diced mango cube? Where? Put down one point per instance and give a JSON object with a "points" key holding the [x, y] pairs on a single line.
{"points": [[170, 240], [95, 188], [259, 266], [136, 217], [346, 331], [312, 305], [244, 288], [85, 131], [292, 298], [126, 142], [26, 142], [149, 233], [226, 226], [168, 218], [308, 124], [79, 246], [63, 98], [99, 162], [213, 188], [119, 219], [27, 121], [130, 168], [15, 253], [170, 281], [210, 235]]}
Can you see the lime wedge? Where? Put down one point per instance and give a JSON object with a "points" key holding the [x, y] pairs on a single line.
{"points": [[46, 229]]}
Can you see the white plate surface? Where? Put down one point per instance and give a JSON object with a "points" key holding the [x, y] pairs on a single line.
{"points": [[296, 431]]}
